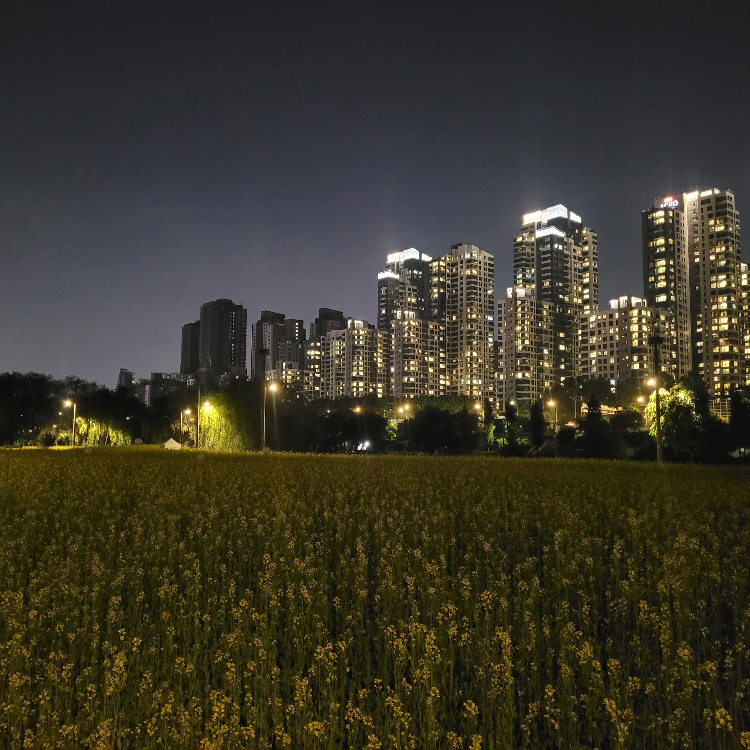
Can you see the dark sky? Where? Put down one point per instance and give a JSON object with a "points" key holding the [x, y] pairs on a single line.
{"points": [[156, 156]]}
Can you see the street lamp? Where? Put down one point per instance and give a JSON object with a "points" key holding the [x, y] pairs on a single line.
{"points": [[68, 404], [182, 411], [266, 387], [654, 383], [553, 404], [206, 408]]}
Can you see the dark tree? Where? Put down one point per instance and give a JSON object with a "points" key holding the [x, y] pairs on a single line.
{"points": [[565, 437], [739, 421], [599, 439], [467, 431], [512, 446], [434, 431], [537, 424]]}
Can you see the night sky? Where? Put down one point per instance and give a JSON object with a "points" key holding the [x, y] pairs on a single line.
{"points": [[157, 156]]}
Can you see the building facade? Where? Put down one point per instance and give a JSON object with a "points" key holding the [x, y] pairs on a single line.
{"points": [[469, 321], [353, 362], [745, 320], [190, 349], [666, 277], [713, 231], [524, 347], [403, 308], [557, 259], [615, 342], [223, 339]]}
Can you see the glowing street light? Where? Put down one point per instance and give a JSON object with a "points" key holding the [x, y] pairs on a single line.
{"points": [[182, 411], [68, 403], [357, 409], [656, 341], [553, 404], [266, 387]]}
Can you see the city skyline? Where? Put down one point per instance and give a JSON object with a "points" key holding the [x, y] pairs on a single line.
{"points": [[600, 303], [154, 157]]}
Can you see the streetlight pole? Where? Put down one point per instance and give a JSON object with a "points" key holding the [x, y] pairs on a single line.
{"points": [[656, 341], [198, 419], [182, 433], [554, 403], [263, 422], [73, 404]]}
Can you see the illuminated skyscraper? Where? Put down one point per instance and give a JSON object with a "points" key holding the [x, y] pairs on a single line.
{"points": [[712, 225], [469, 321], [555, 258], [615, 342], [353, 361], [403, 306], [524, 347], [666, 277], [745, 323]]}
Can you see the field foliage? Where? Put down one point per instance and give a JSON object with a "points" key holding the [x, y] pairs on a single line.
{"points": [[153, 600]]}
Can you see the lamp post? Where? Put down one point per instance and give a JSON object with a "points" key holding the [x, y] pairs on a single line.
{"points": [[641, 401], [73, 404], [206, 408], [266, 388], [182, 411], [552, 404], [656, 341], [198, 418]]}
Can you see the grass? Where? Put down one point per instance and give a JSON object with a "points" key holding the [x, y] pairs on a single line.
{"points": [[162, 600]]}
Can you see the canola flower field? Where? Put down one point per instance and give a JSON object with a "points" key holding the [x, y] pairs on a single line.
{"points": [[167, 601]]}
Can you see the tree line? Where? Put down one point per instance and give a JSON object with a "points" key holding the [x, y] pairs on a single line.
{"points": [[589, 420]]}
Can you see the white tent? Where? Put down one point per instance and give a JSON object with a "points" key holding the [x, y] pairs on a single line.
{"points": [[171, 445]]}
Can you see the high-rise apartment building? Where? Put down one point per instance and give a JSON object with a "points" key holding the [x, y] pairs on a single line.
{"points": [[556, 259], [311, 378], [615, 342], [403, 306], [524, 347], [469, 321], [712, 224], [190, 349], [666, 277], [412, 268], [745, 320], [266, 334], [327, 320], [278, 344], [126, 379], [223, 338], [353, 361]]}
